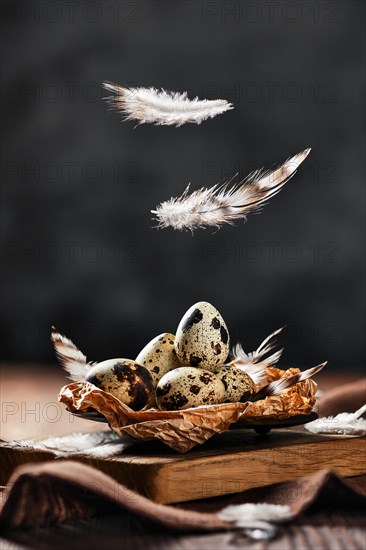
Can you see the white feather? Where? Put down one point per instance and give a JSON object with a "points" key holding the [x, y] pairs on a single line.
{"points": [[70, 357], [342, 423], [160, 107], [221, 204], [101, 444], [253, 363], [243, 515], [257, 520]]}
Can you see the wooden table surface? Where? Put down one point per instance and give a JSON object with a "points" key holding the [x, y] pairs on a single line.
{"points": [[29, 408]]}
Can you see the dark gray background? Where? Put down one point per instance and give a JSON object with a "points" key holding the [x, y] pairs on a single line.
{"points": [[73, 173]]}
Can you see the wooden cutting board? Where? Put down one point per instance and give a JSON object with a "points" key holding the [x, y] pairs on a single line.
{"points": [[229, 463]]}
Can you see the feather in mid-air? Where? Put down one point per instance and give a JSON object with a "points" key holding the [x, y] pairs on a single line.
{"points": [[160, 107], [224, 203]]}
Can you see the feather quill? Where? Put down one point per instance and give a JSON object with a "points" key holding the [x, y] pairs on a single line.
{"points": [[160, 107], [279, 386], [70, 357], [223, 204], [255, 363]]}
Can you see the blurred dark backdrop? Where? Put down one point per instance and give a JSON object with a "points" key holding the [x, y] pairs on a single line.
{"points": [[78, 245]]}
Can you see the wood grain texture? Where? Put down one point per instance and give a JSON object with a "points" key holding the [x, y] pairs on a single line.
{"points": [[230, 463]]}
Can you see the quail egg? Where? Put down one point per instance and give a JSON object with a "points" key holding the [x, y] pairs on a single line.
{"points": [[202, 338], [131, 383], [187, 387], [159, 356], [238, 384]]}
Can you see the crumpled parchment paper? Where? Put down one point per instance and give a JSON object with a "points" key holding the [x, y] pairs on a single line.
{"points": [[182, 430]]}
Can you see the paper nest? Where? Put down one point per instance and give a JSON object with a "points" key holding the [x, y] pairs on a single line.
{"points": [[182, 430]]}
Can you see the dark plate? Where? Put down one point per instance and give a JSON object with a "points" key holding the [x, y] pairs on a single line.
{"points": [[95, 416], [261, 427], [264, 426]]}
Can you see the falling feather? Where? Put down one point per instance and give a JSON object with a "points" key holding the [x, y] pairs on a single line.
{"points": [[160, 107], [70, 357], [255, 363], [279, 386], [224, 204]]}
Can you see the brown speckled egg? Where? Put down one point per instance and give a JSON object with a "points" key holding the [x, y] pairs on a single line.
{"points": [[238, 384], [131, 383], [202, 338], [187, 387], [159, 356]]}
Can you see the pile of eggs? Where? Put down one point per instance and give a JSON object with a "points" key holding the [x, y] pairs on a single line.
{"points": [[181, 371]]}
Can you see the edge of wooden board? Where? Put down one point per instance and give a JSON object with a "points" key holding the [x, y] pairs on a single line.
{"points": [[237, 472], [179, 478]]}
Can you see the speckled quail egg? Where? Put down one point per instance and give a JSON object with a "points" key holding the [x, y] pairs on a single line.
{"points": [[202, 338], [159, 356], [238, 384], [187, 387], [130, 382]]}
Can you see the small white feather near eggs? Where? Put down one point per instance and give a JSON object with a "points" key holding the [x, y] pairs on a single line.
{"points": [[130, 382], [188, 387], [202, 337], [159, 356], [239, 387]]}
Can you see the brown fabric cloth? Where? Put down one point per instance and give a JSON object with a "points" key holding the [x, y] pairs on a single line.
{"points": [[42, 494], [345, 398]]}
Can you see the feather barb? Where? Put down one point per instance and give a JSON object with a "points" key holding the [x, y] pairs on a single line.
{"points": [[223, 204], [72, 360], [160, 107], [279, 386]]}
